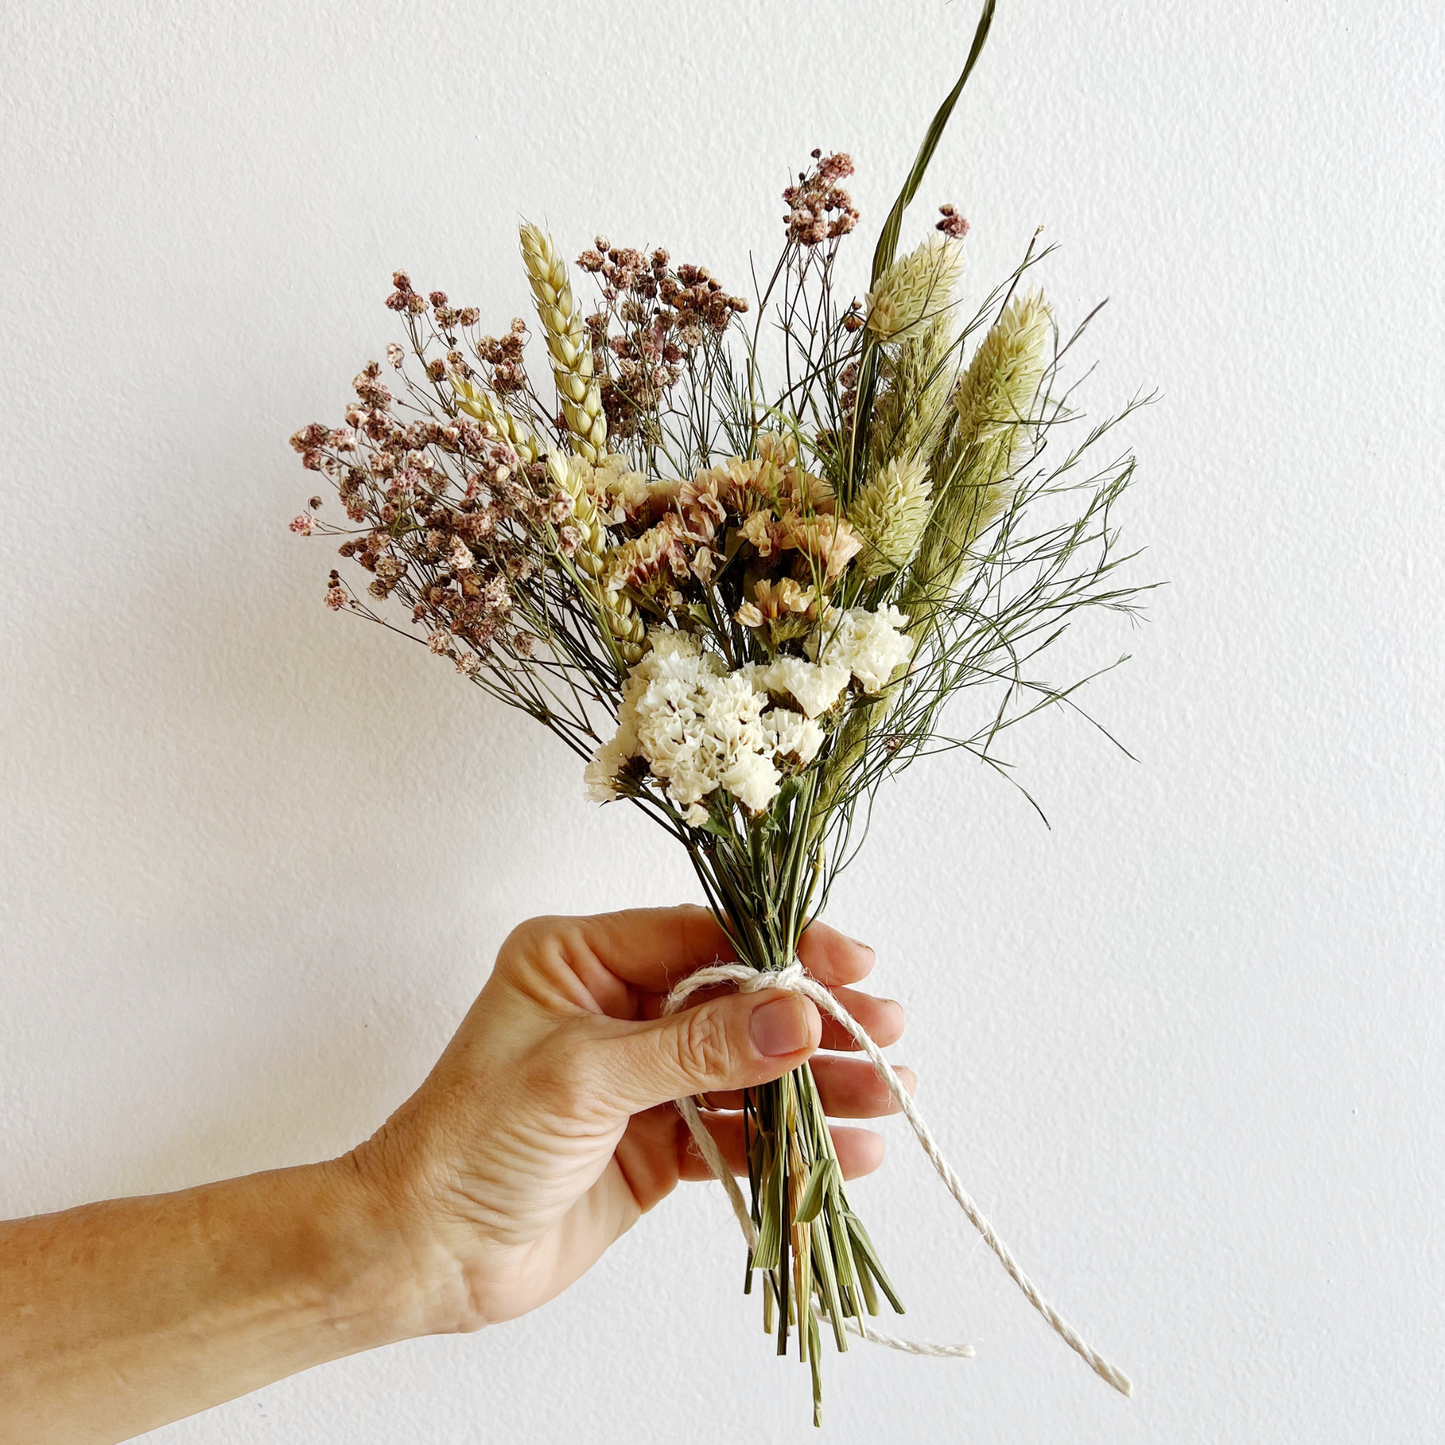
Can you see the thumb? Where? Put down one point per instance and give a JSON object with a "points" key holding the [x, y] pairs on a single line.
{"points": [[732, 1042]]}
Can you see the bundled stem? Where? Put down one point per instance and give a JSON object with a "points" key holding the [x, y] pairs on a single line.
{"points": [[813, 1253]]}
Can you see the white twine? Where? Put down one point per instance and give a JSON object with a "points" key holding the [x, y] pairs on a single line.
{"points": [[793, 979]]}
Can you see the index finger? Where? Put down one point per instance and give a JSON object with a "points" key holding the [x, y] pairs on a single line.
{"points": [[832, 957], [652, 949]]}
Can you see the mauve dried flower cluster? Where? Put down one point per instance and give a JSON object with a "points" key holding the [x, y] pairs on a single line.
{"points": [[819, 209], [443, 505], [662, 315], [466, 493]]}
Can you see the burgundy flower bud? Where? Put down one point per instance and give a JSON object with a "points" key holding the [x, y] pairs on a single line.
{"points": [[952, 223]]}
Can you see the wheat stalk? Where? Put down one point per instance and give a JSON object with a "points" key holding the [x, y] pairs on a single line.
{"points": [[570, 475], [567, 343], [488, 410]]}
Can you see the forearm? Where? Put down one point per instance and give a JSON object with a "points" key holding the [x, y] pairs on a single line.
{"points": [[118, 1317]]}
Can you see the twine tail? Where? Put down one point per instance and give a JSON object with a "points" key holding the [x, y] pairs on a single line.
{"points": [[794, 980]]}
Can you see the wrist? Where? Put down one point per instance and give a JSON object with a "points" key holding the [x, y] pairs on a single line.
{"points": [[389, 1276], [137, 1312], [399, 1273]]}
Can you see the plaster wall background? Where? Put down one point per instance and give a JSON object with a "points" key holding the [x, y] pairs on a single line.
{"points": [[1185, 1047]]}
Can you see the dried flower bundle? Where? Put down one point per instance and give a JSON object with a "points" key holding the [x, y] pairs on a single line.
{"points": [[743, 600]]}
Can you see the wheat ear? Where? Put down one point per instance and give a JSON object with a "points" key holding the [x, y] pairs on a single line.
{"points": [[488, 410], [567, 343]]}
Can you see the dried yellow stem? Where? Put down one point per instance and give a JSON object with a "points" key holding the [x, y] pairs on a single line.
{"points": [[615, 609]]}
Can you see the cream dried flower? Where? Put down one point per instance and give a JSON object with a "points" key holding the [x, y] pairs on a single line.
{"points": [[641, 561], [793, 734], [869, 645], [630, 496], [774, 600], [890, 514], [814, 686], [915, 288], [823, 537], [701, 728]]}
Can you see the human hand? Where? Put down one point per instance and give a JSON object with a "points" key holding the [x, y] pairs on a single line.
{"points": [[546, 1128]]}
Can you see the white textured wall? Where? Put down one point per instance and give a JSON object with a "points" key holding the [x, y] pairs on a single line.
{"points": [[1186, 1047]]}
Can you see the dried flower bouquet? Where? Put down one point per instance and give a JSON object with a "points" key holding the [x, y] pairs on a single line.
{"points": [[743, 594]]}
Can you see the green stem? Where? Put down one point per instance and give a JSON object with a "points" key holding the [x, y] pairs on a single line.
{"points": [[760, 884]]}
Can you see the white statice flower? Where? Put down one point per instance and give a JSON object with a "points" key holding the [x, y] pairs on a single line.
{"points": [[701, 727], [793, 734], [667, 642], [600, 775], [869, 645], [689, 780], [753, 779], [668, 657], [814, 686]]}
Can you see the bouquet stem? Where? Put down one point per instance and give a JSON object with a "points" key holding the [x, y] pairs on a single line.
{"points": [[818, 1266], [813, 1253]]}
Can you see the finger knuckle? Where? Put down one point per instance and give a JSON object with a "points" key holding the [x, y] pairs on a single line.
{"points": [[704, 1050], [531, 934]]}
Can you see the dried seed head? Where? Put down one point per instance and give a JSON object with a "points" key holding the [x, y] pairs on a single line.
{"points": [[952, 223], [915, 289]]}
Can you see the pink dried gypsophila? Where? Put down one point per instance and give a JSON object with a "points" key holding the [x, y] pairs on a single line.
{"points": [[820, 210], [952, 223]]}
